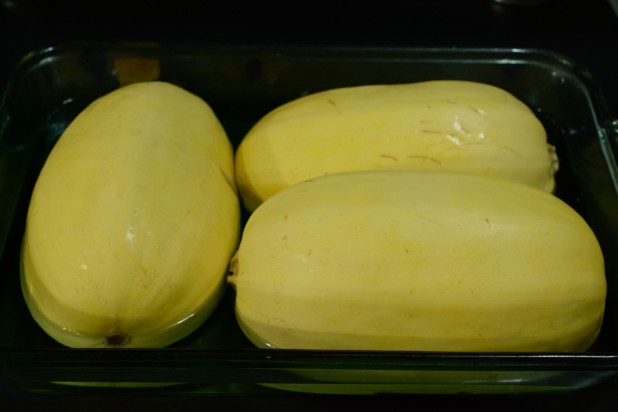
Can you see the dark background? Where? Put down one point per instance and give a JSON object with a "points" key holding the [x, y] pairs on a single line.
{"points": [[583, 30]]}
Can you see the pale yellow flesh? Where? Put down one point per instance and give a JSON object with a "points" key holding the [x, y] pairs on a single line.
{"points": [[132, 221], [415, 260], [437, 125]]}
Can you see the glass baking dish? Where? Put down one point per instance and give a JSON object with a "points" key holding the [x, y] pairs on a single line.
{"points": [[48, 87]]}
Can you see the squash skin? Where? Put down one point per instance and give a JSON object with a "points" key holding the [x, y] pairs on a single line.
{"points": [[435, 125], [132, 221], [418, 261]]}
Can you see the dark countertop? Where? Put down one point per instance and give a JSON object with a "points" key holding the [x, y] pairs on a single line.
{"points": [[585, 31]]}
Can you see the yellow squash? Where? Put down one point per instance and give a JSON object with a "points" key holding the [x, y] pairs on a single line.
{"points": [[418, 260], [436, 125], [132, 221]]}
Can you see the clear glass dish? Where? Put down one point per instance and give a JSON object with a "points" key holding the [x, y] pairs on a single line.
{"points": [[49, 87]]}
